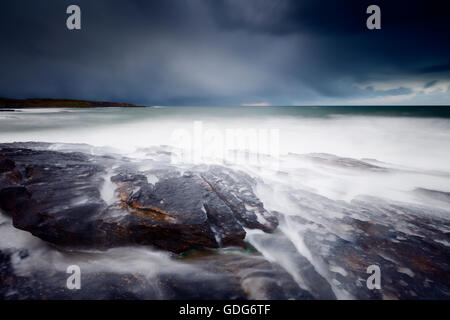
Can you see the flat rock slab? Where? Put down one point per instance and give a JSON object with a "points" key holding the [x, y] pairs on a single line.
{"points": [[207, 275], [57, 197]]}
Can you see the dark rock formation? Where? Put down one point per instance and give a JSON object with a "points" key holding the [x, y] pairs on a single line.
{"points": [[56, 196], [232, 275], [59, 103]]}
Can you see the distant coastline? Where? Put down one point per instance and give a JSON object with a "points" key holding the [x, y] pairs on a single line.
{"points": [[59, 103]]}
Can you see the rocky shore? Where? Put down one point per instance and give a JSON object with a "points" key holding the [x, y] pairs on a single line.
{"points": [[216, 236], [7, 104], [57, 197]]}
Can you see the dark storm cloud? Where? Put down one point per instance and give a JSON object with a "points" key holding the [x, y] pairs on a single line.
{"points": [[226, 52], [438, 68], [430, 84]]}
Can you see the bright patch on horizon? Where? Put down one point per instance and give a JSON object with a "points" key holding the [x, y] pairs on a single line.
{"points": [[256, 104]]}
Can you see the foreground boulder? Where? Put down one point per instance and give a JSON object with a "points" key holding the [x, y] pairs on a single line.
{"points": [[57, 197]]}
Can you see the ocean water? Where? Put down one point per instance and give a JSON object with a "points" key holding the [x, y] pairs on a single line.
{"points": [[416, 136], [316, 164]]}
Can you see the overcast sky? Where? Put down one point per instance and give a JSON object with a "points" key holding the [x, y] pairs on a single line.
{"points": [[227, 52]]}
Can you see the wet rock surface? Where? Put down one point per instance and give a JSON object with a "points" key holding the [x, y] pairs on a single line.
{"points": [[229, 276], [409, 243], [57, 197]]}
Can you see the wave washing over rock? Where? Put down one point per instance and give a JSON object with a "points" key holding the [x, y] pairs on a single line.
{"points": [[148, 229]]}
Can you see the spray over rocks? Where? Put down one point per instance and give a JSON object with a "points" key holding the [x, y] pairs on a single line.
{"points": [[56, 196]]}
